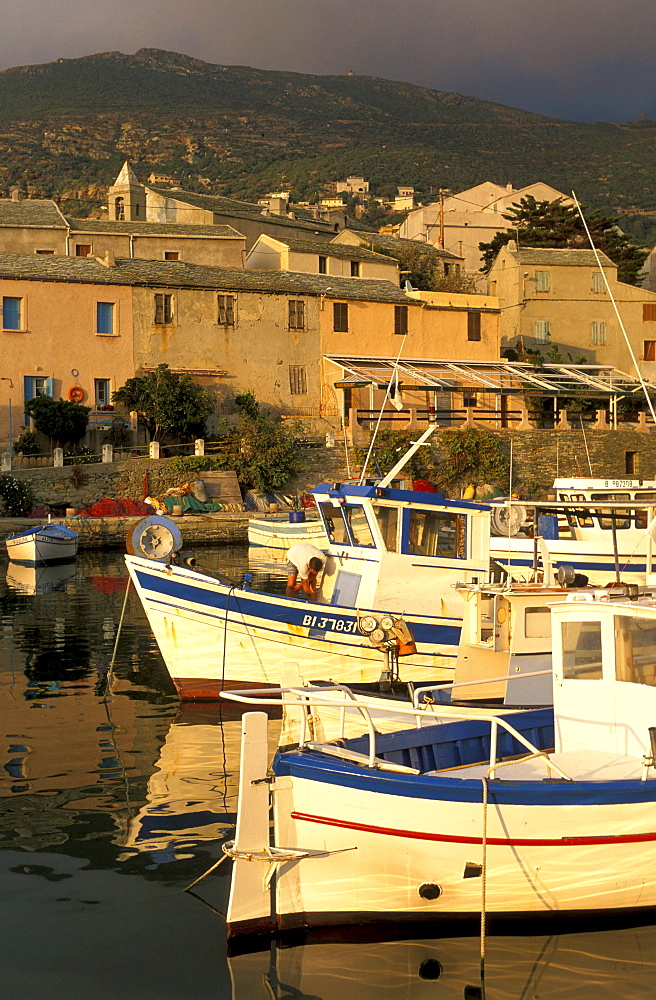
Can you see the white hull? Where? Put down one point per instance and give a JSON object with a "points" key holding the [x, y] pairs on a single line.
{"points": [[282, 534], [593, 558], [45, 544], [188, 613], [541, 859]]}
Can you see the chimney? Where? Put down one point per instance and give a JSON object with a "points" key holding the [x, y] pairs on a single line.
{"points": [[512, 246]]}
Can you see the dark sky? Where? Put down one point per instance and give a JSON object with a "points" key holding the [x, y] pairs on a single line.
{"points": [[589, 60]]}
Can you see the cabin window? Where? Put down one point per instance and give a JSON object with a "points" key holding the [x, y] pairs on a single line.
{"points": [[622, 519], [646, 496], [432, 533], [582, 651], [357, 521], [388, 520], [334, 524], [635, 650], [610, 497], [537, 623]]}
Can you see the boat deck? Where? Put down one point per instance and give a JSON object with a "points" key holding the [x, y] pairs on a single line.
{"points": [[579, 765]]}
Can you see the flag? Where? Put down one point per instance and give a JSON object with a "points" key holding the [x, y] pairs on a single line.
{"points": [[395, 392]]}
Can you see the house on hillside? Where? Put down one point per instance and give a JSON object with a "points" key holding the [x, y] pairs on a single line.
{"points": [[129, 200], [350, 260], [38, 227], [460, 222], [560, 297], [384, 243]]}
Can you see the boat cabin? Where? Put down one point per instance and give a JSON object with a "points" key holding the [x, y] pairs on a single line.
{"points": [[604, 666], [394, 549]]}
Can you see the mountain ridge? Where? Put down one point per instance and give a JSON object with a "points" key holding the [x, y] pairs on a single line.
{"points": [[66, 126]]}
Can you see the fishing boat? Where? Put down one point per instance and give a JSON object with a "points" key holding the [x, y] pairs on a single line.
{"points": [[38, 578], [44, 543], [538, 813], [597, 526], [281, 532], [387, 600]]}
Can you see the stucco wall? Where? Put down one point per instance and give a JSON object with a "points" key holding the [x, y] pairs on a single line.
{"points": [[21, 239], [256, 353], [59, 335]]}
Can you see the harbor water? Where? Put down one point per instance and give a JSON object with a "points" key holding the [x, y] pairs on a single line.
{"points": [[114, 798]]}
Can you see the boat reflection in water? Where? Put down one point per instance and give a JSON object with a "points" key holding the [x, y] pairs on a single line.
{"points": [[39, 579], [192, 791], [594, 965]]}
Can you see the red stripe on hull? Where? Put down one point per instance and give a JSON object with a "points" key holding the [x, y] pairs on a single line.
{"points": [[209, 688], [638, 838]]}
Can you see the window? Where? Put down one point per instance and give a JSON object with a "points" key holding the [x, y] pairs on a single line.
{"points": [[323, 265], [340, 317], [598, 333], [355, 268], [298, 380], [119, 210], [631, 463], [635, 659], [473, 326], [35, 385], [105, 317], [542, 331], [296, 314], [649, 350], [82, 249], [542, 281], [163, 309], [582, 650], [436, 534], [226, 310], [401, 319], [357, 521], [12, 312], [598, 284], [44, 253], [469, 399], [648, 311], [334, 524], [171, 255], [101, 392], [537, 623], [387, 518]]}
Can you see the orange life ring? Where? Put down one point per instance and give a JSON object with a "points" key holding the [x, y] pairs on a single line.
{"points": [[76, 394]]}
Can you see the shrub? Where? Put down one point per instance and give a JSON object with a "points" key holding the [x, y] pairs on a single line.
{"points": [[27, 444], [16, 497]]}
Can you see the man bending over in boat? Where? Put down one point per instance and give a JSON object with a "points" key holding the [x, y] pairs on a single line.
{"points": [[304, 561]]}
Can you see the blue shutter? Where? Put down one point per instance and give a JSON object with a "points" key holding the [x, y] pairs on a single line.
{"points": [[28, 388], [11, 313], [48, 387], [105, 317]]}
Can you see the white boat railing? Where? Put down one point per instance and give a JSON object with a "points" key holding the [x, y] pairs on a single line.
{"points": [[307, 696]]}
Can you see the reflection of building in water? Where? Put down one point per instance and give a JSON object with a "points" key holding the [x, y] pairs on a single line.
{"points": [[620, 963], [192, 792]]}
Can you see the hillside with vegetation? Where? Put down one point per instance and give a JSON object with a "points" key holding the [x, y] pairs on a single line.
{"points": [[66, 127]]}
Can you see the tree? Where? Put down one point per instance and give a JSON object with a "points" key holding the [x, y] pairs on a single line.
{"points": [[266, 454], [554, 224], [169, 403], [61, 421]]}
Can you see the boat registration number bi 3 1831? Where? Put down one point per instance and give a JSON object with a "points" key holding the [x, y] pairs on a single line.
{"points": [[336, 624]]}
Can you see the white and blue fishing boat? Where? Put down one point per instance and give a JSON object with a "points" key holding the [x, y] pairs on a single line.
{"points": [[394, 559], [44, 544], [282, 531], [597, 526], [535, 813]]}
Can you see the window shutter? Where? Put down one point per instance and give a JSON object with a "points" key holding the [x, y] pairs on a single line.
{"points": [[159, 309], [48, 389], [28, 388]]}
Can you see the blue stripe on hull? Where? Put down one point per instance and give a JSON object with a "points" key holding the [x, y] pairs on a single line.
{"points": [[168, 593]]}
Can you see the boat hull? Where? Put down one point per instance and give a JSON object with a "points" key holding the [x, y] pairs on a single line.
{"points": [[214, 637], [385, 852], [45, 544], [282, 534]]}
